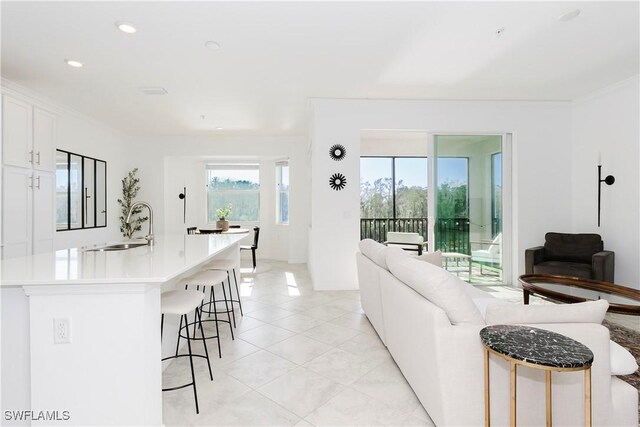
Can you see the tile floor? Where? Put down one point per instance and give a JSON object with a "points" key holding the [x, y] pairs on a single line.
{"points": [[300, 357]]}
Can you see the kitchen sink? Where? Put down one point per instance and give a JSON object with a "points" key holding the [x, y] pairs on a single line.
{"points": [[116, 247]]}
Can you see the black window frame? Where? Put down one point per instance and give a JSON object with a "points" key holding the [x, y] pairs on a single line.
{"points": [[95, 191]]}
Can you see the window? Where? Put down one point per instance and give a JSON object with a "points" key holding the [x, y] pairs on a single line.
{"points": [[393, 196], [282, 192], [393, 187], [238, 185], [81, 192]]}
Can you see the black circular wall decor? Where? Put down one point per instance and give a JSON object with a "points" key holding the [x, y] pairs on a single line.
{"points": [[337, 152], [337, 181]]}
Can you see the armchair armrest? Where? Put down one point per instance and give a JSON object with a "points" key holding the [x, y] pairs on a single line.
{"points": [[603, 265], [419, 247], [533, 256]]}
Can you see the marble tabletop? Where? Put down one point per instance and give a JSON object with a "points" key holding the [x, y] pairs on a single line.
{"points": [[536, 346]]}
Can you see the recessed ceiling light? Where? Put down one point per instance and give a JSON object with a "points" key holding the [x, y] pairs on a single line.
{"points": [[75, 64], [568, 16], [213, 45], [126, 27]]}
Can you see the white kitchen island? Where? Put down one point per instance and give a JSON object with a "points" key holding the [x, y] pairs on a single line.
{"points": [[110, 372]]}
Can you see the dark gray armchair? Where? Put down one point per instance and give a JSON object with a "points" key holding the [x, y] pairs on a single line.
{"points": [[574, 255]]}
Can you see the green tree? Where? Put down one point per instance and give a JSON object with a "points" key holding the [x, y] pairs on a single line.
{"points": [[242, 194], [452, 200], [376, 199]]}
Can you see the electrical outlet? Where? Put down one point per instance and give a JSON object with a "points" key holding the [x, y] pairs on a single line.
{"points": [[62, 330]]}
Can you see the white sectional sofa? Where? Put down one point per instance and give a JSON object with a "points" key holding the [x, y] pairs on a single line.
{"points": [[435, 342]]}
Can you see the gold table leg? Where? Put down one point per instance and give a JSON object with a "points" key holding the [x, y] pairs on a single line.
{"points": [[587, 396], [548, 387], [487, 404], [513, 369]]}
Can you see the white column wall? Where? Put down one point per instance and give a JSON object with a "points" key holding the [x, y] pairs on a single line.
{"points": [[607, 124], [541, 169]]}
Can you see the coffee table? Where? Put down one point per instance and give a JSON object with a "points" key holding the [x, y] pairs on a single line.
{"points": [[570, 290]]}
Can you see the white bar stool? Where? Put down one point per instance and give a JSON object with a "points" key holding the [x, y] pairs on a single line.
{"points": [[228, 265], [210, 278], [181, 303]]}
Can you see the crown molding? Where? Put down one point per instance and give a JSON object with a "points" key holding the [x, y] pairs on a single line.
{"points": [[9, 87], [607, 89]]}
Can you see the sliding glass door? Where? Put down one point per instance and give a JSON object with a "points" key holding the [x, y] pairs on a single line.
{"points": [[468, 205], [454, 193]]}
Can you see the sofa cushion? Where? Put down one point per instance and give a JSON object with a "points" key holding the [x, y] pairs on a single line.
{"points": [[572, 247], [434, 258], [622, 362], [435, 284], [561, 268], [484, 302], [375, 251], [583, 312]]}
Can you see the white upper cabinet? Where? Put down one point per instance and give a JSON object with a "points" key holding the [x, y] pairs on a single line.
{"points": [[17, 132], [28, 135], [44, 135], [28, 184]]}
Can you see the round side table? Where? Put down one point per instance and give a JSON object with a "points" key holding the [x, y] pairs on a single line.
{"points": [[539, 349]]}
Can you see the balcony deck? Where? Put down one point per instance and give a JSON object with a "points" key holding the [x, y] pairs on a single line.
{"points": [[451, 235]]}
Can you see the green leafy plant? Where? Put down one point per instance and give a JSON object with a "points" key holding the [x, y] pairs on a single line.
{"points": [[130, 188], [224, 212]]}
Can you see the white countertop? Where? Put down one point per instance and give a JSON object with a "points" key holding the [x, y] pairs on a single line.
{"points": [[170, 256]]}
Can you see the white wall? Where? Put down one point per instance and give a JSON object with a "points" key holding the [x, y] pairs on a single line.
{"points": [[541, 169], [607, 124], [82, 135], [172, 163]]}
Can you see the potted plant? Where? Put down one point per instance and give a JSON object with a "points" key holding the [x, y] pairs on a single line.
{"points": [[223, 214], [130, 188]]}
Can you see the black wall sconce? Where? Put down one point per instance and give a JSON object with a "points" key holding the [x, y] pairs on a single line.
{"points": [[609, 180], [183, 196]]}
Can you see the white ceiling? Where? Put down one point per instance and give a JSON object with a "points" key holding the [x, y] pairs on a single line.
{"points": [[274, 56]]}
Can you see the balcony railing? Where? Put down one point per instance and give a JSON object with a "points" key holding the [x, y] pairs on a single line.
{"points": [[451, 234]]}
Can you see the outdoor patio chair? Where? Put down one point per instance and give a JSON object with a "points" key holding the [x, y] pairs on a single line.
{"points": [[407, 241], [492, 255]]}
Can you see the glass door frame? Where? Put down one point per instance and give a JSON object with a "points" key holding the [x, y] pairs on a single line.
{"points": [[507, 206]]}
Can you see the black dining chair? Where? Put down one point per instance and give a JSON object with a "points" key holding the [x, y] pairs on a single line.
{"points": [[192, 230], [253, 248]]}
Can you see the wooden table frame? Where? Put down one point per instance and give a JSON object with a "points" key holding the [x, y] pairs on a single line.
{"points": [[528, 282], [513, 364]]}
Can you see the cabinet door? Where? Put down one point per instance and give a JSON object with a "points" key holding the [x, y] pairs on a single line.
{"points": [[16, 132], [43, 211], [44, 140], [16, 212]]}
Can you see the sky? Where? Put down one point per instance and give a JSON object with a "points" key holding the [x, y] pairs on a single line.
{"points": [[413, 170]]}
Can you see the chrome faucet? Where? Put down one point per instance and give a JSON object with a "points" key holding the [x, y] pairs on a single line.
{"points": [[148, 237]]}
